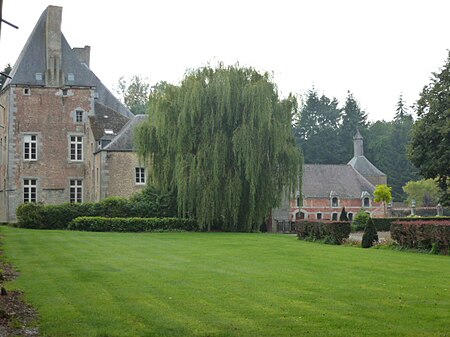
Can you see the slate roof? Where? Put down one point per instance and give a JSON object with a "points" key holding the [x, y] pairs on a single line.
{"points": [[106, 118], [319, 181], [124, 140], [32, 60], [365, 167]]}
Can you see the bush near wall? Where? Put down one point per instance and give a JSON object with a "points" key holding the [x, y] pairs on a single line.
{"points": [[330, 232], [40, 216], [384, 224], [102, 224], [431, 235]]}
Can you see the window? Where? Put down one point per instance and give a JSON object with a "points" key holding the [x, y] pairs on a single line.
{"points": [[29, 147], [70, 77], [334, 202], [39, 76], [79, 116], [76, 148], [334, 217], [29, 190], [319, 216], [26, 91], [350, 216], [76, 191], [140, 175], [366, 202], [65, 92]]}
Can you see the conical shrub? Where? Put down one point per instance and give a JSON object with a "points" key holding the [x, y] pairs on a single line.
{"points": [[370, 235]]}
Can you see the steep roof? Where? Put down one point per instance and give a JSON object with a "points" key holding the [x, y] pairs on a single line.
{"points": [[106, 118], [124, 140], [319, 181], [365, 167], [32, 60]]}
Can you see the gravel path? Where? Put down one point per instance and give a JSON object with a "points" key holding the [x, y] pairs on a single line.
{"points": [[381, 236]]}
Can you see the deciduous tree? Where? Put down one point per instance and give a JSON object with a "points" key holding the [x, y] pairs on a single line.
{"points": [[383, 194], [135, 94], [425, 192], [223, 141], [430, 143]]}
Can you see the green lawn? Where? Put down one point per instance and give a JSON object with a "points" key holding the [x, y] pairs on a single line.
{"points": [[225, 284]]}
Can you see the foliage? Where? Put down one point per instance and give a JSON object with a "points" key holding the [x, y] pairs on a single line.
{"points": [[425, 192], [360, 221], [353, 119], [135, 93], [6, 71], [383, 224], [222, 141], [343, 216], [401, 112], [430, 235], [383, 194], [146, 204], [317, 127], [370, 235], [430, 143], [102, 224], [331, 232], [152, 202]]}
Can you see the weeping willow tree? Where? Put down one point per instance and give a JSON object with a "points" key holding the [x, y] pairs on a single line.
{"points": [[223, 141]]}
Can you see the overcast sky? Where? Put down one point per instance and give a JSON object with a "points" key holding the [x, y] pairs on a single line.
{"points": [[375, 49]]}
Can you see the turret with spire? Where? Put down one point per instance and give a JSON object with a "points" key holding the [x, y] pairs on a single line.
{"points": [[361, 164]]}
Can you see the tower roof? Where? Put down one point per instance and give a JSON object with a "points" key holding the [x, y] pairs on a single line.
{"points": [[31, 65]]}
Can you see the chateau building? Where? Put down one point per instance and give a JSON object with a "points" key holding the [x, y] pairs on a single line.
{"points": [[326, 189], [64, 137]]}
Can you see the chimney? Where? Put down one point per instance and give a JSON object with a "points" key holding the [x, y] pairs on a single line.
{"points": [[54, 76], [358, 145], [83, 54]]}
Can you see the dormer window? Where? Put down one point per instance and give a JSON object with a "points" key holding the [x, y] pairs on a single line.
{"points": [[334, 202], [365, 199], [70, 77], [39, 77]]}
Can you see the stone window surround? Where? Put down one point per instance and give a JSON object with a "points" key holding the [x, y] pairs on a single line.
{"points": [[75, 190], [26, 138], [77, 149], [28, 183]]}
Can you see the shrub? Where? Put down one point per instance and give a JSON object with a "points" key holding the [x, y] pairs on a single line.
{"points": [[383, 224], [102, 224], [330, 232], [370, 235], [430, 235], [360, 221], [30, 215]]}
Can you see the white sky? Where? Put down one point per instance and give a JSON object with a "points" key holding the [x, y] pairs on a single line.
{"points": [[375, 49]]}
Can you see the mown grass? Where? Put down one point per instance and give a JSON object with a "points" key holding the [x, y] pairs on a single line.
{"points": [[225, 284]]}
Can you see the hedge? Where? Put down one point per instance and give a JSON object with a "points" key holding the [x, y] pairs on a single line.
{"points": [[40, 216], [330, 232], [384, 224], [102, 224], [431, 235]]}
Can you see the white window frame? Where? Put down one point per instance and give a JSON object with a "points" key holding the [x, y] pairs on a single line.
{"points": [[78, 116], [30, 147], [29, 190], [140, 176], [75, 148], [76, 191]]}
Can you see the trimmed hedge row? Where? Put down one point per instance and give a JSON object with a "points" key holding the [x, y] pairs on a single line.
{"points": [[330, 232], [102, 224], [40, 216], [432, 235], [384, 224]]}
